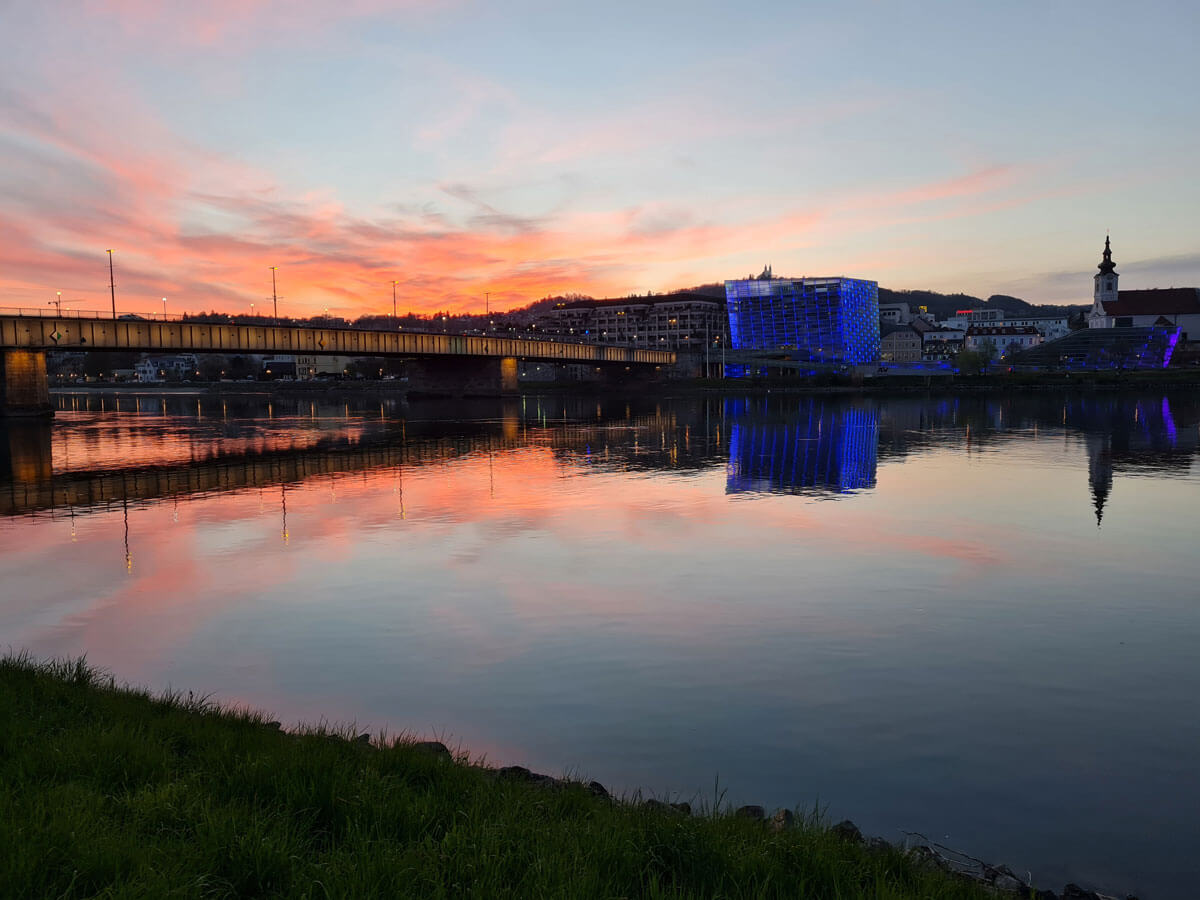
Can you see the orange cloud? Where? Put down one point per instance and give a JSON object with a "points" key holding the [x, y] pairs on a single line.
{"points": [[201, 228]]}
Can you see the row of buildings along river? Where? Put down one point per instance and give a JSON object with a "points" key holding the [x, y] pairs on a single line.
{"points": [[767, 325]]}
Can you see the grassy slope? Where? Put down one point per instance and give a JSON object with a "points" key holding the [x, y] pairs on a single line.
{"points": [[106, 791]]}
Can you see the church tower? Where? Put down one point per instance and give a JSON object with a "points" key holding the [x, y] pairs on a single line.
{"points": [[1106, 283]]}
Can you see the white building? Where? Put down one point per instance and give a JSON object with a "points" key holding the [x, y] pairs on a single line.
{"points": [[1049, 327], [162, 368], [942, 333], [1114, 308], [965, 318], [1002, 339]]}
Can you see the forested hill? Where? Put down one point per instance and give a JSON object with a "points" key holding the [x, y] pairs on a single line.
{"points": [[941, 306]]}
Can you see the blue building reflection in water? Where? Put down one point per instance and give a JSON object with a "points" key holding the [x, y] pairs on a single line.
{"points": [[829, 450]]}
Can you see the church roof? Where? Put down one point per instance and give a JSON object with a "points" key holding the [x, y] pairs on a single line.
{"points": [[1155, 302]]}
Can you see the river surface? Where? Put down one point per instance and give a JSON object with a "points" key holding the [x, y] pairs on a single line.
{"points": [[976, 618]]}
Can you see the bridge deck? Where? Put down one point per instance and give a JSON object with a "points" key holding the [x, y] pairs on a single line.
{"points": [[53, 333]]}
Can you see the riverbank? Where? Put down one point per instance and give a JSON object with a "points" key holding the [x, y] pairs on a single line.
{"points": [[107, 790], [1167, 379]]}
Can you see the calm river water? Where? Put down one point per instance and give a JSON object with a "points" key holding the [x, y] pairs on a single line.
{"points": [[976, 618]]}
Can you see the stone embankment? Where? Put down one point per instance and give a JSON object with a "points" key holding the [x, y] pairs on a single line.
{"points": [[999, 878]]}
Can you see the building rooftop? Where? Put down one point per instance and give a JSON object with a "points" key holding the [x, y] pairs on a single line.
{"points": [[1155, 302], [654, 300]]}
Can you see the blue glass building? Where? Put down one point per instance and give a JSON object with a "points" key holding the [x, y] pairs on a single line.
{"points": [[824, 320]]}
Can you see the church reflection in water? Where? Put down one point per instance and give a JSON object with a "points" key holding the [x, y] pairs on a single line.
{"points": [[1132, 436]]}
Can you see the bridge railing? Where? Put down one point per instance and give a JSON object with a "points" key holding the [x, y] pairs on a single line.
{"points": [[333, 324], [52, 312]]}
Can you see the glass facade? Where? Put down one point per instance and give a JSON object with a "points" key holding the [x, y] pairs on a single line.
{"points": [[1106, 348], [825, 320]]}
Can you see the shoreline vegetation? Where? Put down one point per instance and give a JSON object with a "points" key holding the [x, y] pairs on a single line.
{"points": [[1170, 379], [108, 790]]}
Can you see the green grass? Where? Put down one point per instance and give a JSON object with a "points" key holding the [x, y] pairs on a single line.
{"points": [[110, 792]]}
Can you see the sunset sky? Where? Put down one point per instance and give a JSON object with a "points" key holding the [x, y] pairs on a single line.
{"points": [[528, 149]]}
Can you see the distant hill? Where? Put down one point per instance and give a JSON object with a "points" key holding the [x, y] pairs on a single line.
{"points": [[943, 305], [940, 306]]}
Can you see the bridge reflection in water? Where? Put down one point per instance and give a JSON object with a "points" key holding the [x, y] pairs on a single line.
{"points": [[295, 441]]}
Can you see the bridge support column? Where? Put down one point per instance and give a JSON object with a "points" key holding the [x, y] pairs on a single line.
{"points": [[463, 376], [24, 389]]}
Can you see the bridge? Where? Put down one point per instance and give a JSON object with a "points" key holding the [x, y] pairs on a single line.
{"points": [[456, 364]]}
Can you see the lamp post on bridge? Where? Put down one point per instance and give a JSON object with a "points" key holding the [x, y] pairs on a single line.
{"points": [[164, 309], [393, 298], [112, 284], [274, 296], [56, 302]]}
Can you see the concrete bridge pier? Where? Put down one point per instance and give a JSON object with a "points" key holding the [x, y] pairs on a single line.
{"points": [[24, 388], [459, 376]]}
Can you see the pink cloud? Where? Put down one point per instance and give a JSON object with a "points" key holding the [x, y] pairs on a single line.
{"points": [[201, 228]]}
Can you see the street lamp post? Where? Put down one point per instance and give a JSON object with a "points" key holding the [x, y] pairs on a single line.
{"points": [[393, 298], [112, 284], [164, 309], [274, 296], [56, 302]]}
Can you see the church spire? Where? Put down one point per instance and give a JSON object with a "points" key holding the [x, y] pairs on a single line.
{"points": [[1107, 266]]}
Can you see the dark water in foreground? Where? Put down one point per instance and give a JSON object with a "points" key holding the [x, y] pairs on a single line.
{"points": [[975, 618]]}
